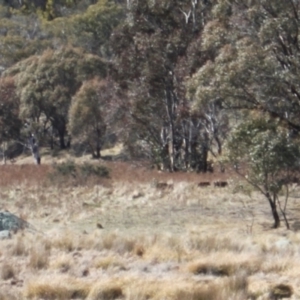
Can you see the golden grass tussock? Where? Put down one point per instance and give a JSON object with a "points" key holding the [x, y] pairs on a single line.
{"points": [[139, 289], [56, 287], [162, 248], [215, 242], [39, 257], [63, 262], [108, 262], [222, 289], [225, 264], [114, 241], [161, 253], [276, 264], [106, 290], [183, 290], [65, 241]]}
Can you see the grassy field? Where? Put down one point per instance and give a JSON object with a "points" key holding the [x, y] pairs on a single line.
{"points": [[143, 235]]}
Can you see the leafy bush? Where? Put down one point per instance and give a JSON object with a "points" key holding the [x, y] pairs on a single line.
{"points": [[67, 168], [74, 173], [87, 170]]}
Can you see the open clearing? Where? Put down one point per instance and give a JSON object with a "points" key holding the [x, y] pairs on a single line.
{"points": [[145, 235]]}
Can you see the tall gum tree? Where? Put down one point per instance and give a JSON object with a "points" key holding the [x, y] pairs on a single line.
{"points": [[92, 113], [155, 52], [253, 69], [254, 65]]}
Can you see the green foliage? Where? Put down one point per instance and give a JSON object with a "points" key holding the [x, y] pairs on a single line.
{"points": [[70, 172], [88, 114], [20, 37], [267, 150], [91, 29], [67, 169], [254, 60], [10, 124], [47, 83], [156, 50], [269, 158], [253, 64], [87, 170]]}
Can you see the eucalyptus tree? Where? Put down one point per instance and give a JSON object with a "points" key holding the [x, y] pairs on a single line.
{"points": [[253, 69], [47, 83], [21, 36], [271, 157], [254, 50], [87, 115], [155, 50], [89, 28]]}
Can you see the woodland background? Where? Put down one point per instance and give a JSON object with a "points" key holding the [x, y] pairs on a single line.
{"points": [[176, 82], [191, 86]]}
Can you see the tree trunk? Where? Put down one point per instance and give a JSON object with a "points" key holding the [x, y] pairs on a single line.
{"points": [[287, 224], [204, 153], [274, 211], [60, 126], [189, 146], [62, 143], [34, 147], [283, 210], [98, 152], [171, 148]]}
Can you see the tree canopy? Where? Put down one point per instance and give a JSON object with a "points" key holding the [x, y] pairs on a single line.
{"points": [[46, 84]]}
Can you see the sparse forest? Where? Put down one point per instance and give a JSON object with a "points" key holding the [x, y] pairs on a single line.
{"points": [[176, 82], [150, 149], [169, 79]]}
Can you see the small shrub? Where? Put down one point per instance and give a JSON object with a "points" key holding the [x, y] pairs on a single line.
{"points": [[77, 173], [87, 170], [67, 169]]}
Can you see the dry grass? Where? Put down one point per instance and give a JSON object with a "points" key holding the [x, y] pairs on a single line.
{"points": [[39, 256], [109, 262], [19, 247], [106, 291], [226, 264], [162, 237], [62, 263], [7, 270], [58, 287], [20, 174]]}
